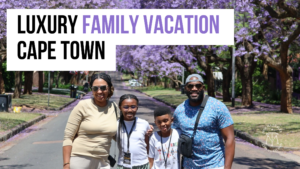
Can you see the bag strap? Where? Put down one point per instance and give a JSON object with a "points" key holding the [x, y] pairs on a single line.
{"points": [[199, 114], [116, 112]]}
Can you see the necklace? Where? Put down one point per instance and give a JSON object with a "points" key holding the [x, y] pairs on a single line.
{"points": [[166, 158]]}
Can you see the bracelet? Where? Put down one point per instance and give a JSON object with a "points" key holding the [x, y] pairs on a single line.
{"points": [[66, 164]]}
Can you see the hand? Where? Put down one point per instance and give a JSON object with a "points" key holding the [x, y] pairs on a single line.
{"points": [[150, 131], [67, 166]]}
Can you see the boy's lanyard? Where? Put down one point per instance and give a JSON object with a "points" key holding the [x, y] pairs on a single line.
{"points": [[128, 135], [165, 158]]}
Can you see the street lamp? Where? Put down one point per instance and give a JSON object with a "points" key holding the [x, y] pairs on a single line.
{"points": [[48, 88], [233, 65]]}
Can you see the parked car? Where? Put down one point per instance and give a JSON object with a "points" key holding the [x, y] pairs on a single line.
{"points": [[136, 84], [132, 81]]}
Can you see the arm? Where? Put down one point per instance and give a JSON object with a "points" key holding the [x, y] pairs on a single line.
{"points": [[152, 150], [225, 123], [175, 124], [66, 156], [228, 135], [147, 142], [150, 131], [72, 127], [151, 162]]}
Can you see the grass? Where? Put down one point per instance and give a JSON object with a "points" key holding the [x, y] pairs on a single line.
{"points": [[60, 92], [10, 120], [155, 93], [172, 96], [126, 77], [40, 101], [229, 104], [258, 124], [173, 99]]}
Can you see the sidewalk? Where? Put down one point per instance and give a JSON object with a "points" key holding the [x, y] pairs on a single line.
{"points": [[45, 114], [49, 112], [65, 109]]}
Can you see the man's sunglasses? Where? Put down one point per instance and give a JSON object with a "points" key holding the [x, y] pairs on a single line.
{"points": [[191, 86], [102, 88]]}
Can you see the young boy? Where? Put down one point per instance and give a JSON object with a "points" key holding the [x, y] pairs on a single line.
{"points": [[163, 144]]}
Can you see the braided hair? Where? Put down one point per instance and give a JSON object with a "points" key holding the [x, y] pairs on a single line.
{"points": [[106, 78], [121, 121]]}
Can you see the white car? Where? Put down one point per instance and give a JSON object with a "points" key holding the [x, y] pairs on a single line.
{"points": [[132, 81], [136, 84]]}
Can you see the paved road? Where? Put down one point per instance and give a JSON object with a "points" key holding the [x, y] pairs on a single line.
{"points": [[40, 146]]}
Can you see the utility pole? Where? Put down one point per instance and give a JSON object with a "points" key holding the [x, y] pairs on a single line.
{"points": [[182, 75], [233, 67], [48, 88], [233, 78]]}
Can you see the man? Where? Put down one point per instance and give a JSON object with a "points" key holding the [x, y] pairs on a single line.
{"points": [[215, 124]]}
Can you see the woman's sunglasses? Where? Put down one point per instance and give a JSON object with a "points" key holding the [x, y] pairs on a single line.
{"points": [[102, 88], [191, 86]]}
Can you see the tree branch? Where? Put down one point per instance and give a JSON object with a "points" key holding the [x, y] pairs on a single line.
{"points": [[270, 62], [290, 11], [197, 55], [294, 35]]}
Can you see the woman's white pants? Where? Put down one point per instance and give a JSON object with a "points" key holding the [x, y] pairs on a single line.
{"points": [[84, 162]]}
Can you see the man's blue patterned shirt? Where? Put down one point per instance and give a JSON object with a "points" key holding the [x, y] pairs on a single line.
{"points": [[208, 146]]}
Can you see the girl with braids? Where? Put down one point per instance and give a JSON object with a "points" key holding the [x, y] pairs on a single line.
{"points": [[132, 137], [94, 122]]}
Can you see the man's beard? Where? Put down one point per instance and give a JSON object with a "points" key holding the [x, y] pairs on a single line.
{"points": [[199, 98]]}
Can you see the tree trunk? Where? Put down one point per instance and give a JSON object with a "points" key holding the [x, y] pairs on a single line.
{"points": [[246, 78], [246, 67], [148, 81], [210, 81], [2, 87], [265, 71], [286, 80], [285, 73], [66, 77], [73, 80], [286, 92], [172, 83], [226, 84], [18, 84], [166, 81], [57, 79], [28, 82], [78, 78], [41, 81]]}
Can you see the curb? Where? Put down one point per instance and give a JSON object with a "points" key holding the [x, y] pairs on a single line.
{"points": [[60, 108], [239, 133], [259, 143], [56, 109], [21, 127]]}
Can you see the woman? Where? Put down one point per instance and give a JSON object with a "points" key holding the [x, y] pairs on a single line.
{"points": [[95, 123]]}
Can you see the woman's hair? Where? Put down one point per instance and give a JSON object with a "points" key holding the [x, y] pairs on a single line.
{"points": [[106, 78], [127, 96], [122, 98]]}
